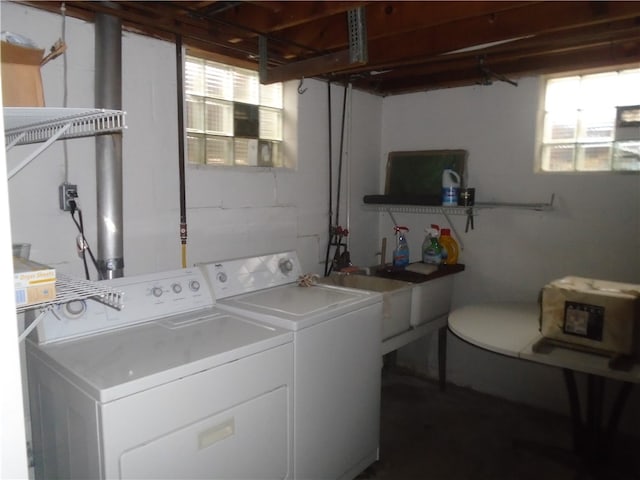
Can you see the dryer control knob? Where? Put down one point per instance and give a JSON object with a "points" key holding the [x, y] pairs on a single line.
{"points": [[176, 287], [156, 291], [285, 265], [221, 277], [75, 308], [194, 285]]}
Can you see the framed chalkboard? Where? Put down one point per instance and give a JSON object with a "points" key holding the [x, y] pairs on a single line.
{"points": [[419, 173]]}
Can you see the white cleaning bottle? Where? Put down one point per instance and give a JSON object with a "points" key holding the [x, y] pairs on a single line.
{"points": [[450, 187]]}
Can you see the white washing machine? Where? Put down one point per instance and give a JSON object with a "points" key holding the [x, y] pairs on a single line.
{"points": [[337, 358], [168, 387]]}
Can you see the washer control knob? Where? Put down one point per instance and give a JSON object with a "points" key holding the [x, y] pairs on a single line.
{"points": [[75, 308], [176, 287], [156, 291], [221, 277], [194, 285], [285, 265]]}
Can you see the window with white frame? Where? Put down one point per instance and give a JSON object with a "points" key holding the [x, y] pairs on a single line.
{"points": [[231, 118], [581, 123]]}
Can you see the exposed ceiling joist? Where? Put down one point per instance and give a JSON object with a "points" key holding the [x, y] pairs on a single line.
{"points": [[411, 46]]}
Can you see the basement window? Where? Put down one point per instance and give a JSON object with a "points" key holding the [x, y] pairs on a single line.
{"points": [[582, 127], [232, 119]]}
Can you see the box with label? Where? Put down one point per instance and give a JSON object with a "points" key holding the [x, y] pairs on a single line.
{"points": [[21, 80], [596, 315], [34, 282]]}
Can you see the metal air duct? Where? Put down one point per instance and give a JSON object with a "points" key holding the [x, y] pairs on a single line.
{"points": [[108, 87]]}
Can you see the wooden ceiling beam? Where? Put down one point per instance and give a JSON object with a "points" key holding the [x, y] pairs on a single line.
{"points": [[583, 38], [313, 67], [196, 33], [284, 15], [308, 39], [386, 19], [536, 19], [600, 56]]}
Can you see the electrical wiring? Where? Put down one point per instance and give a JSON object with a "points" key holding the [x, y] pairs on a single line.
{"points": [[83, 245]]}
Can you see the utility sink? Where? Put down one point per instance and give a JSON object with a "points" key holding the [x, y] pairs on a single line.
{"points": [[396, 298], [432, 292]]}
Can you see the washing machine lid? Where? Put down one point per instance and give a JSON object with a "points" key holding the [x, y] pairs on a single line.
{"points": [[294, 307], [125, 361]]}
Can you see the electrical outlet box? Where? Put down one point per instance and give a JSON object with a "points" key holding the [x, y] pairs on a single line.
{"points": [[66, 193]]}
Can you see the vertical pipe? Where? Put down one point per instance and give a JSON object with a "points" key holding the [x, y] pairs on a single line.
{"points": [[181, 172], [330, 231], [108, 86]]}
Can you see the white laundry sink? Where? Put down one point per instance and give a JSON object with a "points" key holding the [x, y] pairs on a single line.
{"points": [[396, 298], [431, 300], [431, 297]]}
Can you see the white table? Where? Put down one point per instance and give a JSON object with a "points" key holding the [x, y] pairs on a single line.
{"points": [[512, 329]]}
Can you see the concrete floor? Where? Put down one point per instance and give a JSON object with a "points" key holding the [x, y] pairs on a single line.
{"points": [[460, 434]]}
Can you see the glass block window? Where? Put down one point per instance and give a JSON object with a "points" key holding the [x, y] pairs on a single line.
{"points": [[231, 118], [579, 123]]}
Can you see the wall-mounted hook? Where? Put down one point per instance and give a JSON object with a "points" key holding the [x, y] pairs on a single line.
{"points": [[300, 89]]}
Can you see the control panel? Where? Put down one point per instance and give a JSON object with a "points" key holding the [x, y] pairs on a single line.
{"points": [[243, 275], [146, 297]]}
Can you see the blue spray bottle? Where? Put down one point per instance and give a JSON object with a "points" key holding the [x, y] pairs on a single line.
{"points": [[401, 252]]}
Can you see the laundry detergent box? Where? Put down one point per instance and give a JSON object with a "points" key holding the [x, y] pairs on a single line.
{"points": [[34, 282], [597, 315]]}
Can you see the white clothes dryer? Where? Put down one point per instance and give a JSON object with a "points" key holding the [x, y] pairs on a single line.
{"points": [[337, 358], [168, 387]]}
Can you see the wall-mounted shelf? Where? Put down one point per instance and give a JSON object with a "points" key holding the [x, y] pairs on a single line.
{"points": [[471, 211], [45, 125], [438, 209], [72, 289], [69, 289]]}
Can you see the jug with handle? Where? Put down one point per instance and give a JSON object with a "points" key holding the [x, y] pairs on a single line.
{"points": [[450, 187]]}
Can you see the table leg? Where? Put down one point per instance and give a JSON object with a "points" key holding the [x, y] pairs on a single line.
{"points": [[590, 442], [442, 357], [595, 394], [616, 411], [574, 407]]}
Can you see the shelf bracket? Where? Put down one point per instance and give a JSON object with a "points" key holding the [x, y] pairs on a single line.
{"points": [[26, 161]]}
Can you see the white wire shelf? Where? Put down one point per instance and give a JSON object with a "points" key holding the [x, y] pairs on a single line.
{"points": [[406, 208], [456, 210], [69, 289], [46, 125], [35, 125]]}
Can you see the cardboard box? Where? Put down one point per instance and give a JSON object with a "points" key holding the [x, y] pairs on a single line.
{"points": [[595, 315], [21, 79], [34, 282]]}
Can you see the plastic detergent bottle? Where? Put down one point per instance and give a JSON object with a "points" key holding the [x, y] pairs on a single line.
{"points": [[450, 187], [431, 249], [449, 246], [401, 252]]}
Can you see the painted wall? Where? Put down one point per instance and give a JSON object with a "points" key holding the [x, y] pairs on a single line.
{"points": [[594, 230], [231, 212]]}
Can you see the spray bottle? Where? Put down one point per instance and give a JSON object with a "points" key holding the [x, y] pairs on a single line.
{"points": [[401, 252], [431, 248]]}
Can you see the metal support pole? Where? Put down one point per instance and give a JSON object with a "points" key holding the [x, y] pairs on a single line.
{"points": [[108, 86]]}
